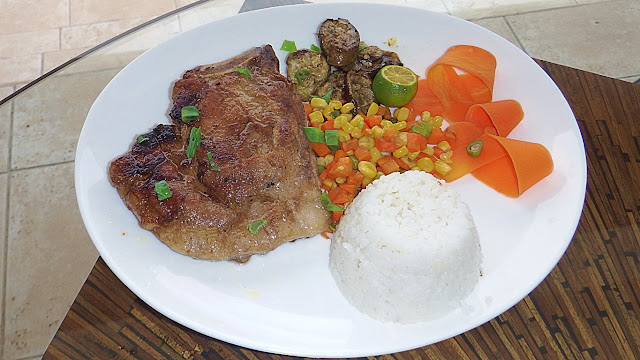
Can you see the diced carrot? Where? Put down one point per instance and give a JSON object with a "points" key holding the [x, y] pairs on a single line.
{"points": [[327, 125], [401, 164], [388, 165], [351, 189], [323, 174], [355, 178], [416, 142], [339, 195], [339, 154], [362, 154], [385, 144], [320, 149], [410, 123], [337, 215], [350, 145], [343, 167], [373, 120], [390, 132], [307, 109], [436, 136]]}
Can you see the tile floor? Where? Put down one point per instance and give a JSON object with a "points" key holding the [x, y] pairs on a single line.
{"points": [[39, 279]]}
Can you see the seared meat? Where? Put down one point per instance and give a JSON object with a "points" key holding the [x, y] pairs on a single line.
{"points": [[340, 41], [250, 129], [372, 58], [306, 70]]}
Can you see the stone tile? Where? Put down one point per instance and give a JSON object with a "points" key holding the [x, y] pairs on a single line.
{"points": [[97, 11], [209, 12], [474, 9], [20, 69], [51, 115], [499, 26], [81, 36], [32, 15], [5, 91], [29, 43], [48, 259], [5, 138], [600, 37], [181, 3], [52, 59], [583, 2]]}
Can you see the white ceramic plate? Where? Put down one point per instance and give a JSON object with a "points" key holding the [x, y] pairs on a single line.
{"points": [[286, 301]]}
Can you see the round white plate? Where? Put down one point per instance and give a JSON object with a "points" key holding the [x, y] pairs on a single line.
{"points": [[286, 301]]}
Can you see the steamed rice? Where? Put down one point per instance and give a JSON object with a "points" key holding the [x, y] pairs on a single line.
{"points": [[406, 250]]}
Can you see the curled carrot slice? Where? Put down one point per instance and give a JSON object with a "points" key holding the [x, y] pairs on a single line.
{"points": [[501, 115]]}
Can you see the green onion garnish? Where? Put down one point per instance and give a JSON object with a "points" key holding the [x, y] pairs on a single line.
{"points": [[213, 165], [474, 148], [355, 161], [302, 74], [313, 134], [326, 96], [255, 226], [315, 48], [362, 46], [162, 190], [244, 72], [422, 129], [332, 226], [142, 139], [194, 142], [320, 169], [327, 204], [190, 113], [289, 46], [332, 140]]}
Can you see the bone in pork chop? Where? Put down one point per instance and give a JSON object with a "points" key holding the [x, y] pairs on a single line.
{"points": [[251, 126]]}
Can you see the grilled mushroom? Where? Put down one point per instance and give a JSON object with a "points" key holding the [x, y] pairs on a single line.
{"points": [[359, 90], [307, 70], [335, 82], [339, 40], [372, 58]]}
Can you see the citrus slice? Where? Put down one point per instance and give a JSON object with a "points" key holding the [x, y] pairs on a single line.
{"points": [[394, 85]]}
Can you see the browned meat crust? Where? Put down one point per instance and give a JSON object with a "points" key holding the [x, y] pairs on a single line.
{"points": [[251, 127]]}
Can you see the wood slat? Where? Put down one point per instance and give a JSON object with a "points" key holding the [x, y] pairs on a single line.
{"points": [[585, 309]]}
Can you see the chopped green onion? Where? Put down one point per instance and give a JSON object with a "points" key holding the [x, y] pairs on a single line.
{"points": [[289, 46], [326, 97], [142, 139], [332, 140], [190, 113], [302, 74], [335, 113], [320, 169], [162, 190], [422, 129], [474, 148], [244, 72], [194, 142], [355, 161], [255, 226], [362, 46], [332, 226], [314, 134], [314, 47], [213, 165], [327, 204]]}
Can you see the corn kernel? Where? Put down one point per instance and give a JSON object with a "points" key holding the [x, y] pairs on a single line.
{"points": [[357, 133], [366, 181], [339, 121], [375, 154], [350, 153], [444, 145], [329, 158], [437, 121], [400, 152], [348, 116], [320, 161], [442, 167], [379, 175], [415, 168], [377, 132], [368, 169], [348, 127], [357, 121], [411, 163], [446, 157], [425, 164], [343, 136], [373, 109], [328, 183], [316, 117], [399, 125], [425, 117], [413, 155], [366, 142], [341, 180], [400, 139], [402, 114], [386, 124], [318, 103], [327, 110], [346, 107], [429, 151], [335, 104]]}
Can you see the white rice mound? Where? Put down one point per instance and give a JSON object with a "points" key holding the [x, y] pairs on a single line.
{"points": [[406, 249]]}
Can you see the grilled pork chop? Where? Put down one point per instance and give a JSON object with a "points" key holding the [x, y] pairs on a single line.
{"points": [[251, 129]]}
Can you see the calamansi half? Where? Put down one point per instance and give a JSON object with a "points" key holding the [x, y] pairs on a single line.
{"points": [[395, 85]]}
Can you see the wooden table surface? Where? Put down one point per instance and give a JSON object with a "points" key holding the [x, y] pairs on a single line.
{"points": [[586, 308]]}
